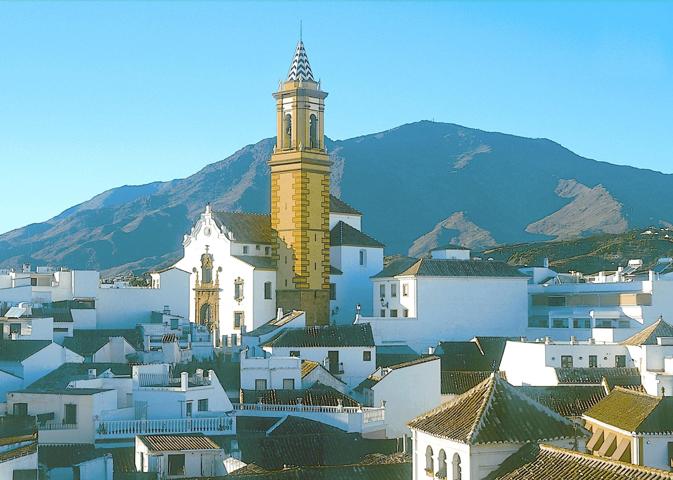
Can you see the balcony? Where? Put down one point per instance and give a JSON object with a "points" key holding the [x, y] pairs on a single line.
{"points": [[370, 422], [127, 429]]}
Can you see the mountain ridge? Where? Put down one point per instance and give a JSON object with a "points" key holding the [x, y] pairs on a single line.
{"points": [[417, 184]]}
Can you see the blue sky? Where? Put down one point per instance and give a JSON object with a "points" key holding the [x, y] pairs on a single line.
{"points": [[97, 95]]}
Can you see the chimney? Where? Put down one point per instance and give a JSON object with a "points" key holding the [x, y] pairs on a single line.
{"points": [[573, 340], [91, 373], [547, 340], [199, 374], [279, 313], [146, 344], [545, 262], [431, 350], [592, 341], [167, 310], [184, 381]]}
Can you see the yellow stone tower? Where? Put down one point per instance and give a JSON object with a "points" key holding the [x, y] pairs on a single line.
{"points": [[300, 176]]}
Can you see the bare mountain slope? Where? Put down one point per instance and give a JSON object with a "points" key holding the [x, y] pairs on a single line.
{"points": [[418, 185]]}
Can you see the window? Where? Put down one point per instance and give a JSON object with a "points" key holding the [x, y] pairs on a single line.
{"points": [[288, 384], [393, 312], [620, 361], [267, 290], [176, 464], [267, 250], [258, 248], [566, 361], [457, 471], [238, 319], [238, 289], [332, 291], [559, 323], [429, 461], [363, 257], [260, 384], [593, 361], [33, 281], [441, 467], [382, 290], [189, 407], [294, 353], [556, 301], [383, 312], [333, 362], [174, 323], [405, 313], [15, 328], [405, 289], [203, 405], [367, 356], [206, 314], [70, 414], [538, 322], [581, 323], [393, 290], [287, 131], [313, 132], [20, 409], [245, 249]]}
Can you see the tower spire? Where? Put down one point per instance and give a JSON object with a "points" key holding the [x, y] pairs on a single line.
{"points": [[300, 68]]}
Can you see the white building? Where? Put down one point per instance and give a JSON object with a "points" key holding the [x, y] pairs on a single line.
{"points": [[399, 387], [644, 359], [469, 437], [241, 272], [607, 306], [179, 456], [24, 361], [420, 302], [76, 299], [266, 371], [632, 427], [347, 351], [18, 448]]}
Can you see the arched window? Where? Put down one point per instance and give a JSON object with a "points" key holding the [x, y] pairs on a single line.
{"points": [[441, 468], [429, 461], [457, 471], [287, 131], [313, 132], [206, 314]]}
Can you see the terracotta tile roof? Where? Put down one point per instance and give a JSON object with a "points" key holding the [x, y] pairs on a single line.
{"points": [[634, 412], [19, 350], [259, 262], [545, 462], [245, 227], [411, 363], [336, 205], [649, 335], [8, 455], [355, 335], [274, 323], [168, 443], [430, 267], [393, 471], [342, 234], [622, 376], [307, 366], [88, 342], [569, 401], [457, 382], [494, 412], [318, 395]]}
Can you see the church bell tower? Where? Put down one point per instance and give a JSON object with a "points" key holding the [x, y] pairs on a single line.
{"points": [[300, 186]]}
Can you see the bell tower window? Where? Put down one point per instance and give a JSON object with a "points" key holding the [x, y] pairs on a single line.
{"points": [[313, 132], [287, 131]]}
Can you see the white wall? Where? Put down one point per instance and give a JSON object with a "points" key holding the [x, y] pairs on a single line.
{"points": [[274, 369], [27, 462], [41, 363], [8, 382], [408, 392], [354, 221], [355, 368], [319, 374], [127, 307], [354, 285]]}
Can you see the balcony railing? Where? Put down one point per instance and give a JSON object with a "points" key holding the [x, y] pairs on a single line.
{"points": [[119, 429], [54, 425]]}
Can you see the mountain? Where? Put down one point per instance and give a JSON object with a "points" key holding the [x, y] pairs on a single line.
{"points": [[592, 254], [419, 185]]}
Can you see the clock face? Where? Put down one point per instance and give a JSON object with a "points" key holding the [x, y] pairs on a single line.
{"points": [[206, 231]]}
